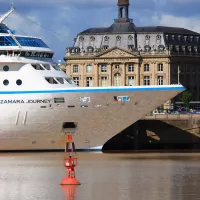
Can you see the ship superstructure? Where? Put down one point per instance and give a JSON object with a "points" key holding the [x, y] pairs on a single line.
{"points": [[39, 102]]}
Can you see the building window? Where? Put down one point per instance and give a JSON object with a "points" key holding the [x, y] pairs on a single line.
{"points": [[76, 80], [158, 39], [131, 68], [104, 81], [146, 80], [92, 38], [146, 67], [89, 68], [103, 68], [160, 80], [147, 40], [131, 81], [117, 79], [130, 37], [106, 38], [117, 67], [89, 82], [118, 39], [81, 39], [160, 67], [75, 69]]}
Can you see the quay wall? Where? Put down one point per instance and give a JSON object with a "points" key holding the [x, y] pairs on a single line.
{"points": [[159, 133]]}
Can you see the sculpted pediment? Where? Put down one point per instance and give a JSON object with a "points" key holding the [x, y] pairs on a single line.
{"points": [[116, 53]]}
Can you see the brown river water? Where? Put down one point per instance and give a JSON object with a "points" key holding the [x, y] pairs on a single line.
{"points": [[152, 176]]}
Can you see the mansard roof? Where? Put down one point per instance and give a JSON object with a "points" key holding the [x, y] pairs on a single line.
{"points": [[165, 29], [130, 28]]}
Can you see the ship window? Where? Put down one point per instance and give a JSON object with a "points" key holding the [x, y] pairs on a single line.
{"points": [[37, 67], [6, 82], [56, 67], [59, 100], [51, 80], [19, 82], [69, 80], [5, 68], [31, 42], [46, 66], [60, 80], [7, 41]]}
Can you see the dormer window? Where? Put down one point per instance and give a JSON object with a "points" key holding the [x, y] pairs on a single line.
{"points": [[105, 47], [177, 48], [147, 40], [147, 37], [189, 48], [92, 38], [90, 49], [81, 39], [118, 38], [130, 37], [195, 48], [158, 39], [161, 48], [106, 38], [147, 48], [185, 38]]}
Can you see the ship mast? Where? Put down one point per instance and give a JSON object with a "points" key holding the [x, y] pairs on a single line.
{"points": [[7, 14]]}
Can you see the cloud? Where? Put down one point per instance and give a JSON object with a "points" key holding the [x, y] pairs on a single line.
{"points": [[174, 21]]}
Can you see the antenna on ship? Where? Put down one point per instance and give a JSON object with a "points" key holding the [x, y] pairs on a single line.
{"points": [[8, 13]]}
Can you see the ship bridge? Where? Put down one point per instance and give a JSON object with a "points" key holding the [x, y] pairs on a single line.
{"points": [[25, 46]]}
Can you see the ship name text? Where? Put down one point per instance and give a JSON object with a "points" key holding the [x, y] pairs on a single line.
{"points": [[34, 101]]}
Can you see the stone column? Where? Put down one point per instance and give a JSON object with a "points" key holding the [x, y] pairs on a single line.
{"points": [[123, 74], [96, 75], [109, 70], [83, 77]]}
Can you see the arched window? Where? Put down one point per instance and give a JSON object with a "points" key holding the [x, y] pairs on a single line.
{"points": [[147, 40], [106, 41], [92, 39], [118, 39], [81, 39], [130, 40], [158, 39], [117, 79]]}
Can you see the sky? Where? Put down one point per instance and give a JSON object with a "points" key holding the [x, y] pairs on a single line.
{"points": [[58, 22]]}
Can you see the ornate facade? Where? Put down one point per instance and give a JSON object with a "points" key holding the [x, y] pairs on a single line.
{"points": [[124, 54]]}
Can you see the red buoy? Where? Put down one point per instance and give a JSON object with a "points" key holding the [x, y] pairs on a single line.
{"points": [[70, 162]]}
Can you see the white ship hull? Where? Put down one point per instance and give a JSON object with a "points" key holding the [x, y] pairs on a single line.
{"points": [[32, 124]]}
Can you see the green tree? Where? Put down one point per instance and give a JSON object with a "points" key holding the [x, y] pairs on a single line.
{"points": [[186, 98]]}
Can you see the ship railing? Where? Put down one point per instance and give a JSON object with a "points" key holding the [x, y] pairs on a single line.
{"points": [[172, 116]]}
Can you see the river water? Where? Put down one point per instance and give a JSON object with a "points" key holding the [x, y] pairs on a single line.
{"points": [[153, 176]]}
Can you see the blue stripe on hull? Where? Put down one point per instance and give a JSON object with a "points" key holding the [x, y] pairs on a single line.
{"points": [[97, 90]]}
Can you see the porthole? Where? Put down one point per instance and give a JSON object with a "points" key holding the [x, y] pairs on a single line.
{"points": [[19, 82], [6, 82], [5, 68]]}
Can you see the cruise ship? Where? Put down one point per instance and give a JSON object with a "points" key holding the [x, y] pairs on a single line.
{"points": [[40, 104]]}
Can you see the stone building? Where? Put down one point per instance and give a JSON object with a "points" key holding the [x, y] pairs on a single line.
{"points": [[124, 54]]}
